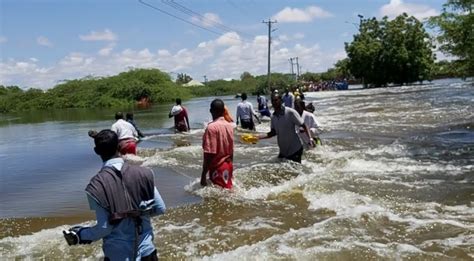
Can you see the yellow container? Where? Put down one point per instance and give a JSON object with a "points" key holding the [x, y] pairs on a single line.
{"points": [[249, 138]]}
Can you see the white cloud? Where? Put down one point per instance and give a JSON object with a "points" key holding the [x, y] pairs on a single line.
{"points": [[163, 52], [231, 38], [397, 7], [218, 58], [296, 15], [106, 51], [43, 41], [106, 35], [207, 20], [3, 39], [298, 36], [286, 38]]}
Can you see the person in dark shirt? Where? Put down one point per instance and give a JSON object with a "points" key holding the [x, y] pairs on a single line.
{"points": [[129, 118]]}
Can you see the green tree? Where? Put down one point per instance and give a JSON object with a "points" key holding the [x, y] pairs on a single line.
{"points": [[183, 78], [342, 68], [310, 77], [365, 50], [456, 32], [390, 51], [246, 76], [89, 92]]}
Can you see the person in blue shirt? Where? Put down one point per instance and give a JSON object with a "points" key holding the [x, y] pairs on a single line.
{"points": [[124, 198], [263, 106]]}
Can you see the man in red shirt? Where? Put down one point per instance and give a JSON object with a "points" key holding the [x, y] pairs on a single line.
{"points": [[181, 120], [218, 148]]}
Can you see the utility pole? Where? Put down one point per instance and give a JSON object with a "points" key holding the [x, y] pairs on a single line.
{"points": [[291, 71], [297, 69], [294, 61], [269, 23]]}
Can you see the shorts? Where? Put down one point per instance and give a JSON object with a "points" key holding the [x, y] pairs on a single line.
{"points": [[181, 127], [296, 157], [265, 112], [128, 146], [247, 124], [222, 176]]}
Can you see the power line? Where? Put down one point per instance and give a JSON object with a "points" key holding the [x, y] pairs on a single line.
{"points": [[186, 21], [238, 7], [177, 17], [211, 22]]}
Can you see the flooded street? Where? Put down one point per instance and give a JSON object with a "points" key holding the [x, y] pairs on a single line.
{"points": [[394, 179]]}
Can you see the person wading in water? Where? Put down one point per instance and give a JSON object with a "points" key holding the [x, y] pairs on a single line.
{"points": [[124, 198], [218, 148], [180, 114]]}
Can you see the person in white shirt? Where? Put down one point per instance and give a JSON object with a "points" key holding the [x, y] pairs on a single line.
{"points": [[310, 121], [245, 114], [127, 135]]}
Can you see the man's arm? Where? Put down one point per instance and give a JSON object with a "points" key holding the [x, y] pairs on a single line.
{"points": [[267, 135], [134, 132], [237, 114], [102, 227], [308, 133], [170, 114], [207, 159], [114, 128], [254, 114], [159, 208]]}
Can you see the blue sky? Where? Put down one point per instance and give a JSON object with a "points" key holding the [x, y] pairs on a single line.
{"points": [[45, 41]]}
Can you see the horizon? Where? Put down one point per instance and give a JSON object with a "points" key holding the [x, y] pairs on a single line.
{"points": [[44, 42]]}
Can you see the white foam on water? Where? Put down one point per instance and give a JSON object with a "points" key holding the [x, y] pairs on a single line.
{"points": [[401, 166], [191, 226], [256, 223], [290, 245], [159, 160], [175, 157], [415, 222], [46, 244], [461, 241], [395, 149], [264, 192], [213, 191], [344, 203], [246, 149]]}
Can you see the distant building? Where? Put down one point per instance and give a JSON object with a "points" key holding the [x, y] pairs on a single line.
{"points": [[193, 83]]}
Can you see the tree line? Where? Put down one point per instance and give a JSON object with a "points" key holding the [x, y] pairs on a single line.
{"points": [[383, 52], [127, 89]]}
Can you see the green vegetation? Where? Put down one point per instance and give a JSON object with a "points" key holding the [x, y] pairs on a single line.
{"points": [[390, 51], [340, 71], [129, 88], [183, 78], [247, 83], [122, 90], [449, 69], [456, 28]]}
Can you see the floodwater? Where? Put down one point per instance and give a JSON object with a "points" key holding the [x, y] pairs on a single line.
{"points": [[394, 179]]}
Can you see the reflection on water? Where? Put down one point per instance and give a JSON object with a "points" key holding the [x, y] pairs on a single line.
{"points": [[393, 180]]}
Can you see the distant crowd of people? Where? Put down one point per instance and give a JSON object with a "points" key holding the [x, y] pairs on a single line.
{"points": [[124, 196], [326, 85]]}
